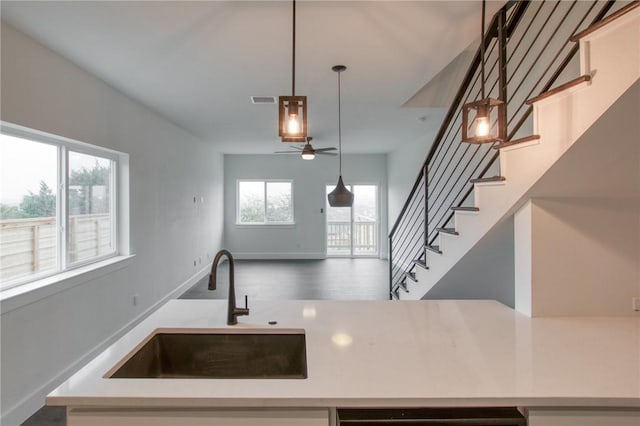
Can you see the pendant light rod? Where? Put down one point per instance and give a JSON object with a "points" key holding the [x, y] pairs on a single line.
{"points": [[339, 124], [293, 53], [482, 48], [339, 69], [340, 196]]}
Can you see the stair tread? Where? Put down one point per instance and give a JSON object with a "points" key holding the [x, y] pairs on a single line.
{"points": [[623, 11], [411, 276], [516, 141], [489, 179], [465, 209], [561, 88], [435, 249], [450, 231], [421, 263]]}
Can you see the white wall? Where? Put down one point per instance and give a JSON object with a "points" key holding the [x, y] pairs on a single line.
{"points": [[44, 341], [305, 240], [584, 256], [405, 162], [522, 222]]}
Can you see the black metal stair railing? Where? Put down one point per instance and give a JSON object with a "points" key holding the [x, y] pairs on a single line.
{"points": [[527, 52]]}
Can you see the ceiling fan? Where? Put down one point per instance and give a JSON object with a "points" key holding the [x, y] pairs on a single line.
{"points": [[307, 152]]}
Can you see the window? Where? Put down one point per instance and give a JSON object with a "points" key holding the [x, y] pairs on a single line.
{"points": [[265, 202], [90, 223], [57, 205]]}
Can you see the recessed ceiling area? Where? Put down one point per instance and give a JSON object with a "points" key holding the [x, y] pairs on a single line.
{"points": [[199, 63]]}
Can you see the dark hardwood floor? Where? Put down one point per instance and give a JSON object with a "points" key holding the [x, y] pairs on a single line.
{"points": [[329, 279]]}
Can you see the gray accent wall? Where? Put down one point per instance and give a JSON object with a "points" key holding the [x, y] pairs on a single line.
{"points": [[305, 239]]}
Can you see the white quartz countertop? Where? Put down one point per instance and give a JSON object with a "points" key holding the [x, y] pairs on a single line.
{"points": [[379, 353]]}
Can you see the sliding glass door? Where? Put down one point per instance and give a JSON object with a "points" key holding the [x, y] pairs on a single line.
{"points": [[353, 231]]}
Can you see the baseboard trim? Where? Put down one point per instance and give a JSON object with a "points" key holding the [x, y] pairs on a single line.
{"points": [[279, 256], [33, 402]]}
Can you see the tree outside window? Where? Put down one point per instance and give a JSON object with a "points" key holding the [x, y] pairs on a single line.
{"points": [[265, 202], [43, 228]]}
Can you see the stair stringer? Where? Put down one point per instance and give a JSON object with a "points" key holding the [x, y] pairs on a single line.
{"points": [[611, 56]]}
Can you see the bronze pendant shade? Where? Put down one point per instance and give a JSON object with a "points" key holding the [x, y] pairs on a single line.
{"points": [[340, 196]]}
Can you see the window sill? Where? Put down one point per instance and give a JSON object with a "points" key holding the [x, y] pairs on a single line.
{"points": [[265, 225], [32, 292]]}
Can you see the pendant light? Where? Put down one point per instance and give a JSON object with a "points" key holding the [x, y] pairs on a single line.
{"points": [[478, 116], [340, 196], [292, 110]]}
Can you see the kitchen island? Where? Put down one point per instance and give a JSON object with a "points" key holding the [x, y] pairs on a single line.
{"points": [[380, 354]]}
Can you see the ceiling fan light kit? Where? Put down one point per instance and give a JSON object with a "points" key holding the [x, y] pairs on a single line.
{"points": [[292, 110], [340, 196], [307, 152]]}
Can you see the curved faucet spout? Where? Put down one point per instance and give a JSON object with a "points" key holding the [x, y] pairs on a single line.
{"points": [[232, 311], [214, 268]]}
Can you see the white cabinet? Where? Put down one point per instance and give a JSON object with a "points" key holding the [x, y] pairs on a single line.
{"points": [[197, 417], [584, 417]]}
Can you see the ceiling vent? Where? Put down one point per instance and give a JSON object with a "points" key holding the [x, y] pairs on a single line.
{"points": [[262, 100]]}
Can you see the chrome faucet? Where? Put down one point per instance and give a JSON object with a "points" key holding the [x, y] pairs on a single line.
{"points": [[232, 311]]}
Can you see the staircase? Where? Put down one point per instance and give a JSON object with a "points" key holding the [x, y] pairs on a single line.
{"points": [[560, 66]]}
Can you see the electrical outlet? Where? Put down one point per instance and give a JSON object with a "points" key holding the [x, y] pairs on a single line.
{"points": [[636, 304]]}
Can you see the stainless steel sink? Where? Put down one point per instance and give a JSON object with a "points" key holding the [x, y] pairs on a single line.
{"points": [[219, 354]]}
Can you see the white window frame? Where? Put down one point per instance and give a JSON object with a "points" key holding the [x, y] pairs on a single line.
{"points": [[113, 207], [119, 206], [265, 223]]}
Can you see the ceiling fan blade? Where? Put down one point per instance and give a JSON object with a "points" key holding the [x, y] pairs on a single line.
{"points": [[325, 149], [286, 152], [326, 153]]}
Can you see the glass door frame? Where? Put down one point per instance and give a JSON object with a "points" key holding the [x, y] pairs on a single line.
{"points": [[351, 224]]}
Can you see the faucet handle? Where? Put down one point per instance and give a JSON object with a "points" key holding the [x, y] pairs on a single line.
{"points": [[242, 311]]}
